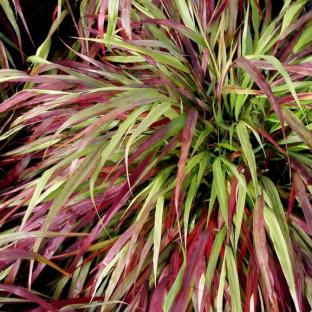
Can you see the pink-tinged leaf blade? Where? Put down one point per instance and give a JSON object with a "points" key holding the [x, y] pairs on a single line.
{"points": [[16, 253], [125, 16], [187, 136], [303, 199], [261, 251], [26, 294], [195, 252], [260, 80]]}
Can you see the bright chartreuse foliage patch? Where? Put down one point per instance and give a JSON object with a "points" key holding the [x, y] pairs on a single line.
{"points": [[163, 163]]}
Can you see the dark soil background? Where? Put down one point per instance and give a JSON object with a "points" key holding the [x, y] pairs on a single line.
{"points": [[39, 17]]}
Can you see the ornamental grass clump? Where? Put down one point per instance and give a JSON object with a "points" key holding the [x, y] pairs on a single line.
{"points": [[162, 162]]}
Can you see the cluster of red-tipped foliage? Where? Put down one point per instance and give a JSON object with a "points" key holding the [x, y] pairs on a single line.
{"points": [[159, 159]]}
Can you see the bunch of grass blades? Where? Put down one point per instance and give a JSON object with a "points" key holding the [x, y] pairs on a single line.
{"points": [[162, 161]]}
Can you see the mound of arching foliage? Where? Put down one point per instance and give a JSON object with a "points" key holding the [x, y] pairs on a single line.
{"points": [[160, 160]]}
